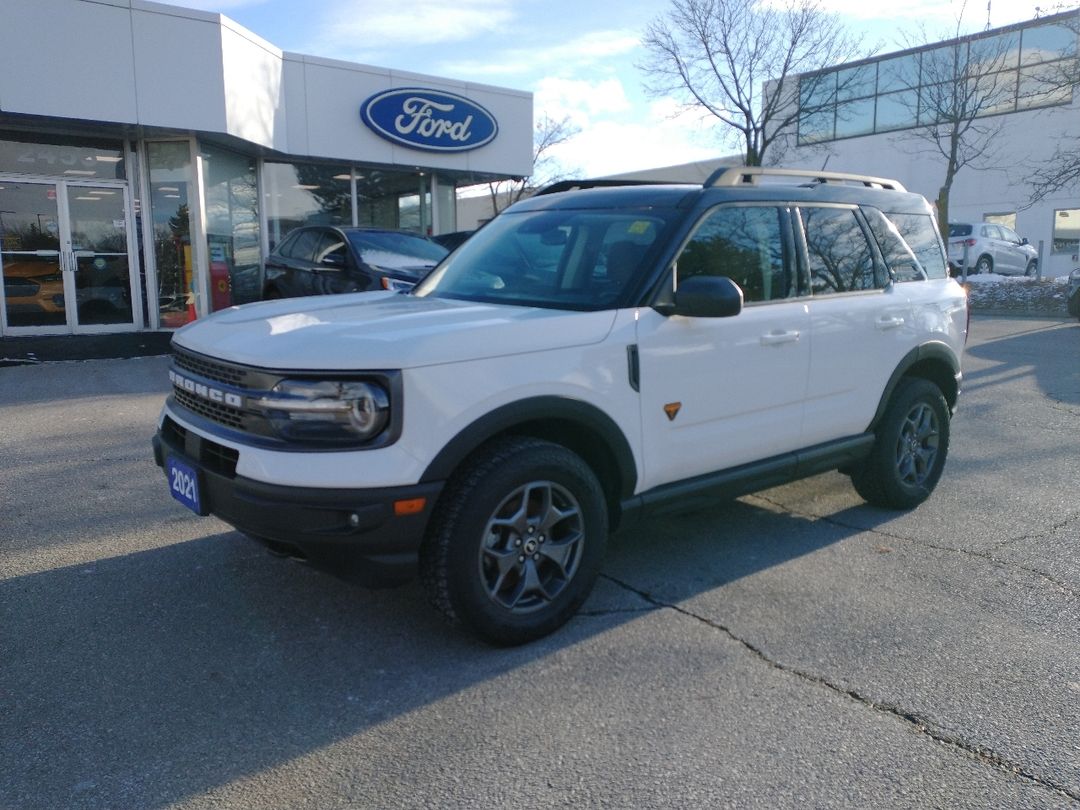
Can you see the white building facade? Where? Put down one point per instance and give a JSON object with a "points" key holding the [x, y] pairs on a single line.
{"points": [[152, 156], [867, 117]]}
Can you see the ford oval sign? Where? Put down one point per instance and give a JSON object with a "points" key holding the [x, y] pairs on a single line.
{"points": [[429, 119]]}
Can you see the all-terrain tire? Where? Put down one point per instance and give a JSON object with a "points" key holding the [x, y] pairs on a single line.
{"points": [[909, 453], [516, 541]]}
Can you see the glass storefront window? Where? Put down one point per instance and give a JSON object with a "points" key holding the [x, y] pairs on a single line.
{"points": [[169, 169], [232, 227], [1067, 230], [71, 158], [305, 194]]}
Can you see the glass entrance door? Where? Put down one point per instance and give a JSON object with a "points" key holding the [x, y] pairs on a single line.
{"points": [[64, 257]]}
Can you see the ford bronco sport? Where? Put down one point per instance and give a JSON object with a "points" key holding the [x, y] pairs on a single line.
{"points": [[590, 354]]}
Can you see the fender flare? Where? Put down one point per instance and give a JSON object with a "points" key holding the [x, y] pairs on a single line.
{"points": [[935, 351], [538, 410]]}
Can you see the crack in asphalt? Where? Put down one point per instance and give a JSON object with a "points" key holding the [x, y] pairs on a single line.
{"points": [[1058, 584], [921, 725], [617, 611]]}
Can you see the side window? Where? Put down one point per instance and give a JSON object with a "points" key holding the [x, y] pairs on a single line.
{"points": [[1009, 235], [839, 256], [331, 246], [745, 244], [303, 249], [899, 257], [286, 246], [921, 235]]}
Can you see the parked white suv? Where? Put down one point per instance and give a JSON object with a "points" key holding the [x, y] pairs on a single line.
{"points": [[589, 355], [991, 248]]}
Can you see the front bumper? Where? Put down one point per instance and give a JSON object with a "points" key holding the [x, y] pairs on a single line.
{"points": [[354, 532]]}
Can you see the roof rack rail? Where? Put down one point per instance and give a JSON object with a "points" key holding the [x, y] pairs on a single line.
{"points": [[577, 185], [751, 176]]}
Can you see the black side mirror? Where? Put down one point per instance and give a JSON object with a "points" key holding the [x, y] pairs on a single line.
{"points": [[1023, 240], [708, 297]]}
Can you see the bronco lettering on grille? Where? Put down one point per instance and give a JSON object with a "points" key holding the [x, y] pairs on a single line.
{"points": [[205, 391]]}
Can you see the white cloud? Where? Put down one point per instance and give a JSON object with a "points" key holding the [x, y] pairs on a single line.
{"points": [[369, 25], [580, 99], [659, 137], [583, 51]]}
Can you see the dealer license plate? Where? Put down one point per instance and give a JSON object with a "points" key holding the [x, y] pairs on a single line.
{"points": [[184, 484]]}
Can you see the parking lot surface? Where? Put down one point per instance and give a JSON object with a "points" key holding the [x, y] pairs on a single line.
{"points": [[791, 648]]}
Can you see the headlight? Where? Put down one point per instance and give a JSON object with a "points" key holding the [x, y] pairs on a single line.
{"points": [[326, 410]]}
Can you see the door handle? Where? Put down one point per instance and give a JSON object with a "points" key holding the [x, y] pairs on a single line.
{"points": [[889, 322], [778, 338]]}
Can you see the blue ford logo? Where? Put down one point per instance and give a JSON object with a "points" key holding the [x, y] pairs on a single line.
{"points": [[429, 119]]}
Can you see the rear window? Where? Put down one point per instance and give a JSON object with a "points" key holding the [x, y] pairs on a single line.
{"points": [[956, 229], [921, 235], [396, 250]]}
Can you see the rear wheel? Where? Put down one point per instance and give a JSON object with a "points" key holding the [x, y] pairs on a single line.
{"points": [[909, 455], [517, 540]]}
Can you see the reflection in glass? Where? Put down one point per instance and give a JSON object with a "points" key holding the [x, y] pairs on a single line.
{"points": [[99, 243], [1042, 85], [30, 255], [897, 110], [447, 206], [855, 118], [855, 82], [169, 167], [1046, 43], [232, 227], [72, 158], [816, 127], [744, 244], [838, 253], [305, 194], [1066, 230], [898, 73]]}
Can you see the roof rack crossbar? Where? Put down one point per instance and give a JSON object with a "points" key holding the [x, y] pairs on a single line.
{"points": [[751, 176]]}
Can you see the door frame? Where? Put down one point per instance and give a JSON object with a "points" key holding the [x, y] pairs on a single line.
{"points": [[63, 215]]}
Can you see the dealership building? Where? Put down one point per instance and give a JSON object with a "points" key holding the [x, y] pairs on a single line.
{"points": [[868, 116], [152, 156]]}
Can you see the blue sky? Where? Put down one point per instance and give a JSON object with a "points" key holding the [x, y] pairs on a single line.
{"points": [[577, 56]]}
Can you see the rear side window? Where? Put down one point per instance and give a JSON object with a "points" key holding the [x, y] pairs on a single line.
{"points": [[303, 247], [921, 235], [745, 244], [838, 253]]}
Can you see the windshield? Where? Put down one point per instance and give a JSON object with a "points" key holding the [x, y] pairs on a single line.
{"points": [[581, 260], [395, 250]]}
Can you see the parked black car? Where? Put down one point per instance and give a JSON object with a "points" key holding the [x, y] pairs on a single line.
{"points": [[320, 259]]}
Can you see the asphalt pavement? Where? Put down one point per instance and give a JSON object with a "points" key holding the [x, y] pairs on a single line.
{"points": [[794, 648]]}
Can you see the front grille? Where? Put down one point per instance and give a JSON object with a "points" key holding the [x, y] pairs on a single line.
{"points": [[215, 412], [213, 456], [215, 370]]}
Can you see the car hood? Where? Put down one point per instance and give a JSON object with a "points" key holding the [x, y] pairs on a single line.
{"points": [[382, 330]]}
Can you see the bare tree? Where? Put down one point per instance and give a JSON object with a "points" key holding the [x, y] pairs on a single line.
{"points": [[547, 134], [954, 92], [737, 60], [1060, 78]]}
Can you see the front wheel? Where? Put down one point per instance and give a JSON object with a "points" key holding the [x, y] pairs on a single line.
{"points": [[1032, 268], [909, 455], [517, 540], [984, 265]]}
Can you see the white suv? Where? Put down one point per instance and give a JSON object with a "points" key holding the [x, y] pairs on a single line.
{"points": [[589, 355], [991, 248]]}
